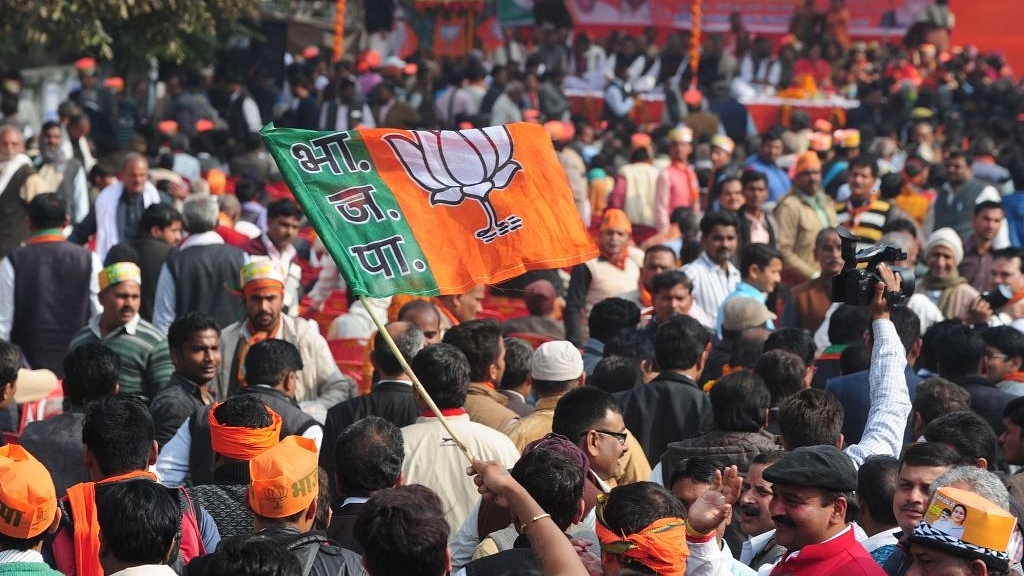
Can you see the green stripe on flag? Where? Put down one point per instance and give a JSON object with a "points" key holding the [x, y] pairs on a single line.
{"points": [[356, 215]]}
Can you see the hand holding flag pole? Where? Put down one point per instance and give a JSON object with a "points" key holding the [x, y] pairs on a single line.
{"points": [[391, 208]]}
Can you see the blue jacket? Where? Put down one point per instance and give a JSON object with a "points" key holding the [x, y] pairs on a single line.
{"points": [[853, 393]]}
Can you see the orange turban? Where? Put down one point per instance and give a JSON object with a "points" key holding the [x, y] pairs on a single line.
{"points": [[26, 493], [616, 219], [807, 161], [240, 442], [284, 478], [661, 546]]}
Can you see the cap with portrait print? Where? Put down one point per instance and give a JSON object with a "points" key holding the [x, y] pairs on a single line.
{"points": [[967, 525]]}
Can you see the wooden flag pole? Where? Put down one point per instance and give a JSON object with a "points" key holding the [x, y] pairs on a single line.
{"points": [[415, 381]]}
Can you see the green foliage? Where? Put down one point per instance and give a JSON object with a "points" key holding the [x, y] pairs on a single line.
{"points": [[127, 31]]}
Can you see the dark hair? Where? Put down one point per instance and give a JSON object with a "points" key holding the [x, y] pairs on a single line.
{"points": [[659, 248], [243, 411], [119, 432], [751, 176], [793, 340], [722, 180], [1014, 411], [480, 341], [47, 211], [160, 215], [554, 481], [1009, 253], [372, 452], [958, 154], [616, 374], [967, 433], [518, 355], [930, 454], [937, 396], [988, 205], [958, 352], [739, 401], [783, 374], [679, 343], [184, 327], [699, 469], [670, 279], [270, 361], [248, 555], [322, 515], [632, 507], [1006, 339], [610, 315], [719, 218], [848, 324], [865, 161], [409, 342], [876, 485], [403, 532], [90, 371], [854, 358], [768, 458], [890, 186], [809, 418], [580, 410], [283, 207], [757, 254], [630, 343], [908, 326], [930, 342], [444, 372], [138, 521]]}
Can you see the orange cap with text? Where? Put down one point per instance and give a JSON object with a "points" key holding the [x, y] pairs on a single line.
{"points": [[284, 478], [27, 496]]}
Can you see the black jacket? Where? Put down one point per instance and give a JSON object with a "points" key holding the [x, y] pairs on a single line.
{"points": [[317, 554], [668, 409]]}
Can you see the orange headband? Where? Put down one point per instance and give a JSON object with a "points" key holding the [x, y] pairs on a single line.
{"points": [[243, 443], [257, 285], [661, 546]]}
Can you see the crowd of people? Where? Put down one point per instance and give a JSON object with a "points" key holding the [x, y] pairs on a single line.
{"points": [[712, 394]]}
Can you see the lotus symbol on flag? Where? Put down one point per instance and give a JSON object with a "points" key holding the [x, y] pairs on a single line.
{"points": [[453, 166]]}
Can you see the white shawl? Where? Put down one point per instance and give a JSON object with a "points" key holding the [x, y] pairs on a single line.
{"points": [[106, 214]]}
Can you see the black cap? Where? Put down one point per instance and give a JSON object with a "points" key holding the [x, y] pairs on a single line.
{"points": [[815, 467]]}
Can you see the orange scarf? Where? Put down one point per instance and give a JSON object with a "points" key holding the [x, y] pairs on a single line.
{"points": [[646, 299], [661, 546], [253, 340], [82, 498], [617, 260]]}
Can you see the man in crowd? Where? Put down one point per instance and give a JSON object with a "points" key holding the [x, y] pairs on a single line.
{"points": [[636, 188], [160, 231], [766, 162], [145, 359], [954, 204], [800, 215], [756, 225], [373, 451], [61, 173], [454, 309], [194, 277], [90, 373], [432, 457], [713, 274], [673, 296], [1004, 357], [320, 384], [677, 184], [21, 185], [282, 245], [813, 298], [671, 407], [761, 270], [138, 524], [392, 397], [876, 488], [614, 272], [194, 344], [555, 368], [540, 299], [480, 341], [864, 214], [657, 259], [608, 318], [976, 265], [42, 321], [27, 493]]}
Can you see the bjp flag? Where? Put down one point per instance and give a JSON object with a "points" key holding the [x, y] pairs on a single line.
{"points": [[450, 36], [433, 212]]}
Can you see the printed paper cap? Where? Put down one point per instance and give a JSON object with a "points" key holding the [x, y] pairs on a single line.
{"points": [[26, 493], [284, 478], [262, 273], [310, 52], [119, 272], [723, 142], [847, 138], [86, 66], [965, 524], [169, 127], [682, 135]]}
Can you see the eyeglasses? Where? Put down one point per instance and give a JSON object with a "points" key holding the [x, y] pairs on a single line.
{"points": [[620, 436]]}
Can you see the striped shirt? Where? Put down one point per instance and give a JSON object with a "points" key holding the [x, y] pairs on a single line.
{"points": [[711, 284], [145, 360]]}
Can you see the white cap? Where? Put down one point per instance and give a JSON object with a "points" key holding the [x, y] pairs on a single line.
{"points": [[556, 361]]}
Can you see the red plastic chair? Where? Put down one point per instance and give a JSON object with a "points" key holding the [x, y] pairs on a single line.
{"points": [[532, 338], [348, 354]]}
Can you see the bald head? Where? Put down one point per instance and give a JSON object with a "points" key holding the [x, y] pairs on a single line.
{"points": [[11, 143], [134, 173]]}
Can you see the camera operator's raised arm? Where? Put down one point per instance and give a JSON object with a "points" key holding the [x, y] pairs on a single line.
{"points": [[890, 400]]}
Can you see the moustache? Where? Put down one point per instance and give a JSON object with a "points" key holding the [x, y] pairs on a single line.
{"points": [[750, 510], [127, 310], [784, 521]]}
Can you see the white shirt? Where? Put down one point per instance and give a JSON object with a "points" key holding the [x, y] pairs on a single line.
{"points": [[147, 570], [881, 539], [7, 294], [711, 284]]}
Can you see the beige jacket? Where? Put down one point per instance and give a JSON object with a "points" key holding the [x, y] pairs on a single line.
{"points": [[797, 226], [486, 405]]}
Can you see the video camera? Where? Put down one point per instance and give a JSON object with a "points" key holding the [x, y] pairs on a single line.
{"points": [[855, 285]]}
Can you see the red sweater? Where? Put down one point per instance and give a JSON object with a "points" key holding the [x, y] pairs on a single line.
{"points": [[841, 556]]}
